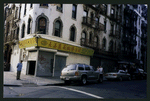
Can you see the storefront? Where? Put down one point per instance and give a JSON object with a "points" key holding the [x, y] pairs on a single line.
{"points": [[46, 57]]}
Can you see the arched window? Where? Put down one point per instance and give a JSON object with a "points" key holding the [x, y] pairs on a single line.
{"points": [[111, 46], [29, 26], [83, 38], [104, 44], [57, 28], [72, 34], [42, 25], [23, 31]]}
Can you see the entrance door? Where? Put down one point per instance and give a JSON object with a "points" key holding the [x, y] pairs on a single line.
{"points": [[60, 63], [31, 67]]}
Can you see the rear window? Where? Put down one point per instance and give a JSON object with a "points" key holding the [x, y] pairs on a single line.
{"points": [[70, 67]]}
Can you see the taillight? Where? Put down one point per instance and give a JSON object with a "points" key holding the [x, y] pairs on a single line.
{"points": [[114, 74], [76, 73]]}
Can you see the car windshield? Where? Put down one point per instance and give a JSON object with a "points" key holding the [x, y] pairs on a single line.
{"points": [[70, 67]]}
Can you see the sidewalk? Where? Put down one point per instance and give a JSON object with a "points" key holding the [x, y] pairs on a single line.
{"points": [[10, 80]]}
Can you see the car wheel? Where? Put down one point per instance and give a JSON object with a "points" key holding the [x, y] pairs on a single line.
{"points": [[67, 82], [129, 78], [120, 78], [84, 80]]}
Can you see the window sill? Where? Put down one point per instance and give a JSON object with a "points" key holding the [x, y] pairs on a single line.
{"points": [[74, 19]]}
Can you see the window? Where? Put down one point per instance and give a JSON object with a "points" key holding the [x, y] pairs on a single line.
{"points": [[17, 33], [60, 7], [104, 43], [8, 27], [44, 5], [92, 18], [105, 8], [25, 9], [23, 31], [42, 25], [85, 15], [83, 38], [111, 45], [29, 26], [112, 12], [19, 12], [70, 67], [57, 28], [16, 13], [74, 11], [31, 5], [96, 41], [112, 29], [72, 34], [90, 38], [80, 67], [105, 26], [97, 22], [87, 67]]}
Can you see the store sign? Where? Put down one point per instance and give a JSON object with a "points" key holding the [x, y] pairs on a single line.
{"points": [[55, 45], [64, 47], [27, 43]]}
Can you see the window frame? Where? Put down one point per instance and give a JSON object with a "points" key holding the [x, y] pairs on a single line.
{"points": [[38, 29], [59, 30], [74, 34]]}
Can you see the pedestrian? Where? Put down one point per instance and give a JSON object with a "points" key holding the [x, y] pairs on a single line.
{"points": [[19, 68], [101, 69], [98, 69]]}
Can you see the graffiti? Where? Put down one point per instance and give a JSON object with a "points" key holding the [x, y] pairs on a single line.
{"points": [[41, 68], [43, 63]]}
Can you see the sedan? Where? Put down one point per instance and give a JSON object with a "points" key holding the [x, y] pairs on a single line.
{"points": [[120, 74]]}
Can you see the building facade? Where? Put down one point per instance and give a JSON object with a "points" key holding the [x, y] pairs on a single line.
{"points": [[45, 36], [49, 36]]}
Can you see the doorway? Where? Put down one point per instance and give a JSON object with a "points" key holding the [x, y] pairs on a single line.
{"points": [[31, 67]]}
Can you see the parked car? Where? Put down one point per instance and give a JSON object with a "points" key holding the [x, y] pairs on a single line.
{"points": [[120, 75], [139, 74], [80, 72]]}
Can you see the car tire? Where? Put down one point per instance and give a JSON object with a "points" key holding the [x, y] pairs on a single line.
{"points": [[120, 78], [84, 80], [129, 78], [67, 82]]}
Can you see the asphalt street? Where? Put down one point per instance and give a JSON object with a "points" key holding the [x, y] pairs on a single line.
{"points": [[105, 90]]}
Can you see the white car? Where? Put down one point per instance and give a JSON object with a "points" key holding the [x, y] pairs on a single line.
{"points": [[120, 74]]}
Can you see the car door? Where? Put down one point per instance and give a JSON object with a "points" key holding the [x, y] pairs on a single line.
{"points": [[89, 72]]}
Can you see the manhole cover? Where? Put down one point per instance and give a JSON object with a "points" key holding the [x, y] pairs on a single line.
{"points": [[29, 85]]}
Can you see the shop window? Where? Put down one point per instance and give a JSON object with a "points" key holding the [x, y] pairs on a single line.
{"points": [[42, 25], [74, 11], [72, 34]]}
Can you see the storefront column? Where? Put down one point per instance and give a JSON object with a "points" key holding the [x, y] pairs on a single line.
{"points": [[54, 64], [36, 62]]}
